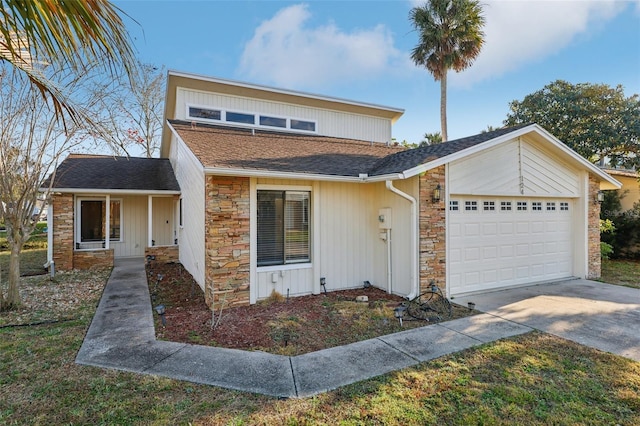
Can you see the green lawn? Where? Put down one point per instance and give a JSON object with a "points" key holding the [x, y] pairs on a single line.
{"points": [[621, 272]]}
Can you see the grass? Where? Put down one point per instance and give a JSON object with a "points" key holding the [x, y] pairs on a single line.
{"points": [[621, 272], [531, 379], [33, 255]]}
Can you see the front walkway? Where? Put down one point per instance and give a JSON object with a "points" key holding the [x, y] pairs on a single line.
{"points": [[122, 336]]}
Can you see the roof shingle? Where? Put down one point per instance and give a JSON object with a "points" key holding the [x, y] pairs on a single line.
{"points": [[122, 173], [237, 148]]}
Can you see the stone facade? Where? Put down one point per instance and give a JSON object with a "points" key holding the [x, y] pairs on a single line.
{"points": [[593, 232], [227, 241], [63, 231], [93, 259], [163, 254], [432, 217]]}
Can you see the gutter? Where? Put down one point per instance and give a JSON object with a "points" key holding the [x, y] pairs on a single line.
{"points": [[414, 237]]}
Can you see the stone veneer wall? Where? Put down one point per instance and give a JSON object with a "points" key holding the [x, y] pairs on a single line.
{"points": [[63, 231], [93, 259], [163, 254], [227, 241], [432, 230], [593, 232]]}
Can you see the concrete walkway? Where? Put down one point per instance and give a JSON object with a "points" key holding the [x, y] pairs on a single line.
{"points": [[122, 336]]}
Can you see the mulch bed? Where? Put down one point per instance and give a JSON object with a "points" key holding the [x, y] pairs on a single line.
{"points": [[289, 327]]}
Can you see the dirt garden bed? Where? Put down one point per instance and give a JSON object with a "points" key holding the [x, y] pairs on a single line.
{"points": [[277, 325]]}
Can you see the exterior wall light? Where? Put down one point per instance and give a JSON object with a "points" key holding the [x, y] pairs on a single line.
{"points": [[435, 197], [599, 197]]}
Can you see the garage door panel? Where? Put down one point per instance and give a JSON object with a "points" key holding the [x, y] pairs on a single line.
{"points": [[510, 245], [490, 252], [522, 250], [471, 229], [489, 229]]}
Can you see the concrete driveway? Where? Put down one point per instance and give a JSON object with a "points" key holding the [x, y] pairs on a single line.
{"points": [[603, 316]]}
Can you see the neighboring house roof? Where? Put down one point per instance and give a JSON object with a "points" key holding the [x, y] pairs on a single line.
{"points": [[220, 147], [622, 172], [82, 173]]}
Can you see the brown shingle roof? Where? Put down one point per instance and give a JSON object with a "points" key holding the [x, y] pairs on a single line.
{"points": [[237, 148]]}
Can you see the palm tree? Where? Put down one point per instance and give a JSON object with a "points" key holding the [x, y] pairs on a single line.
{"points": [[62, 33], [450, 37]]}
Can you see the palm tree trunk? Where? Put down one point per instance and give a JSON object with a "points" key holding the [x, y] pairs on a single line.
{"points": [[443, 106]]}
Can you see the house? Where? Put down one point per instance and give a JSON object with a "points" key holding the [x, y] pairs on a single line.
{"points": [[294, 192], [630, 191]]}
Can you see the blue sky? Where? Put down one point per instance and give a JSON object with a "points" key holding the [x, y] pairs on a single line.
{"points": [[360, 50]]}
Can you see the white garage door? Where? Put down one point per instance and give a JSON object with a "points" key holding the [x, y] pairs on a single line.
{"points": [[498, 243]]}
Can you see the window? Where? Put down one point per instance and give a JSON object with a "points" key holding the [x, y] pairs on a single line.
{"points": [[505, 206], [471, 205], [237, 117], [564, 206], [209, 114], [551, 206], [180, 222], [307, 126], [92, 217], [273, 121], [522, 205], [283, 227], [536, 206], [489, 205], [249, 119], [453, 205]]}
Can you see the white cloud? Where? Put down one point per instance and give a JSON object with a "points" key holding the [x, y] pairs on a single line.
{"points": [[523, 32], [287, 52]]}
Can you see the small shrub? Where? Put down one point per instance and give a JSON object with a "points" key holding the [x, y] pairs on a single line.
{"points": [[606, 250]]}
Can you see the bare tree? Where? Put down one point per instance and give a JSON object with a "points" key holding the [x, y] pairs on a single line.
{"points": [[132, 108], [33, 137]]}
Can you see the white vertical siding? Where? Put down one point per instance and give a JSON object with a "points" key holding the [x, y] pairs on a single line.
{"points": [[190, 176], [329, 123], [134, 227], [352, 250], [346, 238], [295, 281]]}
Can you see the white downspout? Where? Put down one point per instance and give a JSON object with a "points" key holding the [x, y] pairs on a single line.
{"points": [[414, 237]]}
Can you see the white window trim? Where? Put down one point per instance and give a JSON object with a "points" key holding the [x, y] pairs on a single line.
{"points": [[77, 221], [288, 266], [285, 267], [256, 119]]}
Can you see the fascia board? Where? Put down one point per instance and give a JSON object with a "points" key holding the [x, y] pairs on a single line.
{"points": [[218, 171], [109, 191]]}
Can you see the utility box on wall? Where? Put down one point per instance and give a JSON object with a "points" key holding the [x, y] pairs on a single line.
{"points": [[384, 218]]}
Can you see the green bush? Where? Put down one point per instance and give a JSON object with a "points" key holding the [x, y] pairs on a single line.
{"points": [[625, 241]]}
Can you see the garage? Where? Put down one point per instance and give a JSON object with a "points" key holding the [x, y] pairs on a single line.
{"points": [[518, 212], [504, 242]]}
